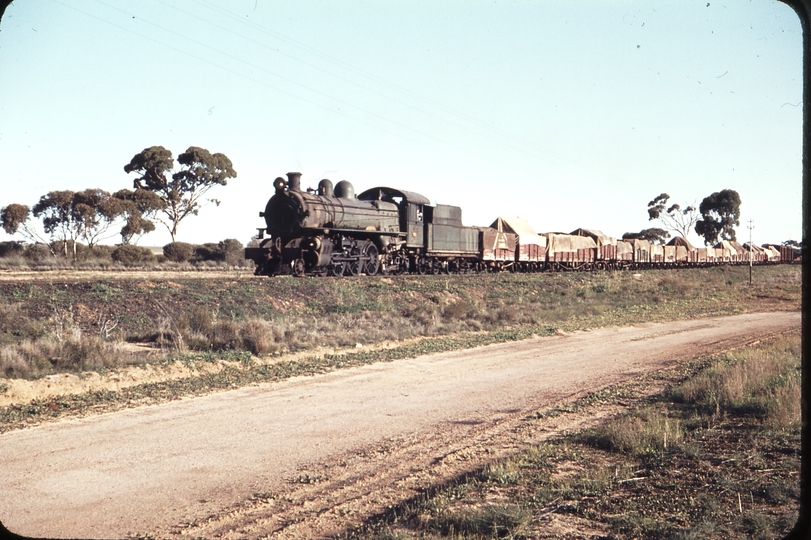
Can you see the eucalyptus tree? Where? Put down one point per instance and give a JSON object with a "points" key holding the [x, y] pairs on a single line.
{"points": [[182, 191], [16, 219], [653, 235], [720, 214], [673, 217]]}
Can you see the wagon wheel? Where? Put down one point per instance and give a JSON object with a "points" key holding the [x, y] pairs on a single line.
{"points": [[373, 264], [337, 269], [298, 267]]}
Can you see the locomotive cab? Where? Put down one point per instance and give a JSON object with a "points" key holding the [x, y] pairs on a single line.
{"points": [[412, 209]]}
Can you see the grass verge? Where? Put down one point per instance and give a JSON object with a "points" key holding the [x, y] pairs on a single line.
{"points": [[717, 454], [49, 327]]}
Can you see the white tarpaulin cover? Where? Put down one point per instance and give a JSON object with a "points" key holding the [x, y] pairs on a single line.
{"points": [[599, 238], [520, 227], [559, 243], [494, 239], [624, 247]]}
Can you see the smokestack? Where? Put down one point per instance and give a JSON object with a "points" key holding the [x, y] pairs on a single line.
{"points": [[294, 181]]}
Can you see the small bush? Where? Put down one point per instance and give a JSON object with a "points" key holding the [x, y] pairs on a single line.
{"points": [[197, 320], [457, 310], [130, 255], [178, 251], [13, 364], [642, 434], [257, 337], [37, 253], [85, 352], [208, 252], [9, 249], [225, 336], [232, 251]]}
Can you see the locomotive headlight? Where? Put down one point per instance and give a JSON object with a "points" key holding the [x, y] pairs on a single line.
{"points": [[279, 184]]}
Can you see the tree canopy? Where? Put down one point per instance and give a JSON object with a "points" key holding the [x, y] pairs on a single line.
{"points": [[69, 216], [139, 208], [654, 235], [674, 217], [182, 191], [720, 214], [16, 219]]}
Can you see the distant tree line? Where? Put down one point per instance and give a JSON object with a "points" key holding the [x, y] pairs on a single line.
{"points": [[713, 220], [227, 252], [716, 218], [162, 193]]}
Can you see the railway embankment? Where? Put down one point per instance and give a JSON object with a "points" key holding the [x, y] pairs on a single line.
{"points": [[72, 344]]}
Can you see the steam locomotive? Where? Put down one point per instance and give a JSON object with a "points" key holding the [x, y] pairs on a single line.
{"points": [[330, 231]]}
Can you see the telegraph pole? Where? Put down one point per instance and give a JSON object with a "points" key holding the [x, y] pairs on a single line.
{"points": [[750, 227]]}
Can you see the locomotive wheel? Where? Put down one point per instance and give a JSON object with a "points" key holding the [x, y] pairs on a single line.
{"points": [[423, 266], [337, 269], [373, 264], [298, 267], [399, 265], [353, 267]]}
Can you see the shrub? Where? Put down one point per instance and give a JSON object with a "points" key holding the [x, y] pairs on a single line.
{"points": [[130, 255], [257, 337], [37, 253], [232, 251], [208, 252], [102, 253], [178, 251], [13, 364], [9, 249], [198, 319], [225, 336]]}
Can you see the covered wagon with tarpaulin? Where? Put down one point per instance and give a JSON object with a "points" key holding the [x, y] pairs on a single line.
{"points": [[606, 253], [684, 252], [772, 253], [758, 254], [730, 251], [788, 253], [642, 252], [742, 253], [530, 250], [625, 253], [570, 252], [496, 248]]}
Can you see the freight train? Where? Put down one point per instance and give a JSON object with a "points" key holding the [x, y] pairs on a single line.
{"points": [[331, 231]]}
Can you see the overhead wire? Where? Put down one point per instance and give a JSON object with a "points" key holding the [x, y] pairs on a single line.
{"points": [[297, 96], [341, 63], [276, 88]]}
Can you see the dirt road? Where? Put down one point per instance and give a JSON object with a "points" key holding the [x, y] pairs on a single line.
{"points": [[308, 455]]}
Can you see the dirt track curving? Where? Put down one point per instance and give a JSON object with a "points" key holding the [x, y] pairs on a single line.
{"points": [[308, 456]]}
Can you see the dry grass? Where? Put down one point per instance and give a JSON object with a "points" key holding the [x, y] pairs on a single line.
{"points": [[671, 468], [762, 382], [269, 316], [645, 432]]}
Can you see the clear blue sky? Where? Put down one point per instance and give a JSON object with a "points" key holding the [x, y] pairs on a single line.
{"points": [[568, 114]]}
